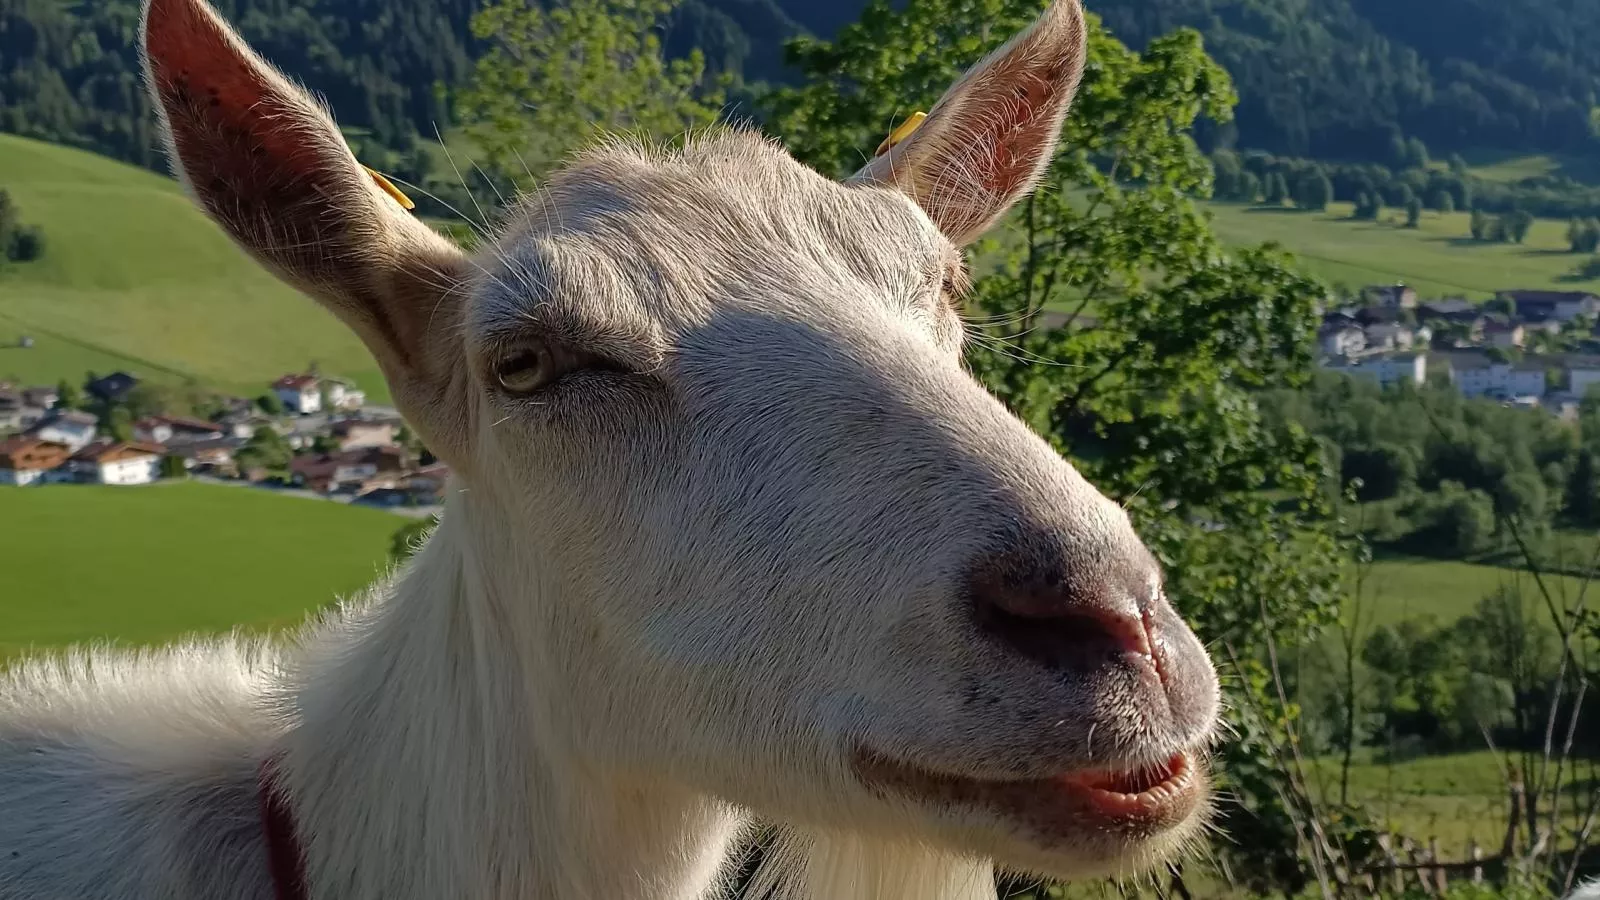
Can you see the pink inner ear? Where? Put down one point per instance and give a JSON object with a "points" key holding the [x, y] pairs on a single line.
{"points": [[243, 139], [1021, 134]]}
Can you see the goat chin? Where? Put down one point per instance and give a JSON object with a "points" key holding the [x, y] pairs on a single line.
{"points": [[810, 865]]}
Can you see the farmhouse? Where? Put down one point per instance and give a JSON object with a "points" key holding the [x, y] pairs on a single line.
{"points": [[300, 394], [1563, 306], [107, 462], [327, 472], [214, 455], [69, 427], [25, 460], [1342, 340], [111, 388], [1393, 296], [1388, 370], [16, 412], [176, 430], [1503, 333], [353, 434], [1476, 375]]}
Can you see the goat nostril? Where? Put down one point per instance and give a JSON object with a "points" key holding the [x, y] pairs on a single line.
{"points": [[1072, 636]]}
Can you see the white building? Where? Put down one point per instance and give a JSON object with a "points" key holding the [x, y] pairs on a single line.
{"points": [[1343, 340], [1389, 370], [1581, 378], [75, 429], [341, 395], [1477, 376], [300, 394], [120, 463]]}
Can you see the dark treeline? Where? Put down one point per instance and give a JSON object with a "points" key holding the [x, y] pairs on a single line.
{"points": [[1330, 79], [1341, 79], [1257, 176], [69, 72]]}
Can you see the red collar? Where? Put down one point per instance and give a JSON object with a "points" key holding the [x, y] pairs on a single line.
{"points": [[285, 857]]}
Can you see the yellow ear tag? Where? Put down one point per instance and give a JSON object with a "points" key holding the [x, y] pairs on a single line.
{"points": [[900, 133], [390, 189]]}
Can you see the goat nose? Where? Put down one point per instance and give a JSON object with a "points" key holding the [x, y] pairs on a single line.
{"points": [[1066, 621]]}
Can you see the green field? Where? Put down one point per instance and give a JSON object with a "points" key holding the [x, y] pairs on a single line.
{"points": [[135, 277], [1439, 258], [1398, 589], [1458, 798], [145, 564]]}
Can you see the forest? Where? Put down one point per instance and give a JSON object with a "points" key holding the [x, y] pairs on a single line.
{"points": [[1328, 79]]}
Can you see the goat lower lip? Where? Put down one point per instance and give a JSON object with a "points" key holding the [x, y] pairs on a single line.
{"points": [[1136, 802], [1133, 792]]}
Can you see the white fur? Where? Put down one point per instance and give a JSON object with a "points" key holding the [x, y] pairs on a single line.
{"points": [[662, 605]]}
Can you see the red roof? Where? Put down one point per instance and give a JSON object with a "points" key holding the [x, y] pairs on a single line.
{"points": [[107, 451], [296, 382]]}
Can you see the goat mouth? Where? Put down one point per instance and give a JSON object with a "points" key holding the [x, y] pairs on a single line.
{"points": [[1133, 803]]}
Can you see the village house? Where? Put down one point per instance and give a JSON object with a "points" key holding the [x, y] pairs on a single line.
{"points": [[341, 395], [1390, 336], [1393, 296], [354, 434], [1583, 375], [299, 394], [70, 427], [176, 430], [329, 472], [1563, 306], [25, 460], [1342, 340], [1476, 375], [111, 388], [208, 456], [1498, 332], [40, 396], [107, 462], [1388, 370]]}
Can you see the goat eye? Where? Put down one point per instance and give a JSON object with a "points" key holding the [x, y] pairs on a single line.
{"points": [[526, 371]]}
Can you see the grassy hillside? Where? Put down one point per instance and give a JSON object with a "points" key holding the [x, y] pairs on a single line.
{"points": [[135, 277], [1439, 258], [140, 565]]}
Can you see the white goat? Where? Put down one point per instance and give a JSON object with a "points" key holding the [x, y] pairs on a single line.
{"points": [[732, 535]]}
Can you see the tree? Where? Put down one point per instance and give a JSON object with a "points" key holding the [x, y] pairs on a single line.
{"points": [[1369, 207], [553, 77], [266, 449], [173, 467], [26, 244], [9, 222], [1442, 201], [68, 395], [270, 404], [1249, 187], [1157, 404], [1316, 191], [1277, 189], [1416, 156], [1518, 224], [1480, 225], [1413, 212], [119, 424]]}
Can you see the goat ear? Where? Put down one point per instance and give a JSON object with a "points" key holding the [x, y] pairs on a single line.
{"points": [[267, 163], [989, 139]]}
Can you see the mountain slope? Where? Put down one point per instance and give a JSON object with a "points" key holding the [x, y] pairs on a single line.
{"points": [[135, 277]]}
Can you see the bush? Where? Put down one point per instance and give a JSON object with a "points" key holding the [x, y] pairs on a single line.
{"points": [[26, 245]]}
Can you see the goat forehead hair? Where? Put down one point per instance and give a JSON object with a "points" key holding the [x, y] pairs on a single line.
{"points": [[728, 214]]}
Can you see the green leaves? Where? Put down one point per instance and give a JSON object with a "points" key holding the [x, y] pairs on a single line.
{"points": [[553, 79]]}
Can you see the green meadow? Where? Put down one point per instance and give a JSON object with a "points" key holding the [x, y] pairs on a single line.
{"points": [[1438, 258], [139, 565], [135, 277]]}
